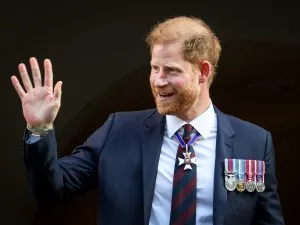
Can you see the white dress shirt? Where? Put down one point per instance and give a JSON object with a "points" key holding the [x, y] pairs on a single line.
{"points": [[205, 149]]}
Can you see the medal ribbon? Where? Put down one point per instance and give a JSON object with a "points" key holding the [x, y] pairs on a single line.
{"points": [[250, 170], [241, 169], [237, 169], [190, 143], [260, 170], [230, 166]]}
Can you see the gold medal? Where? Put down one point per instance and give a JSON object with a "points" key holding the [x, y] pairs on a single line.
{"points": [[240, 186]]}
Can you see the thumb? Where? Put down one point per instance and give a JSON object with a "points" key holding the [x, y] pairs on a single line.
{"points": [[58, 91]]}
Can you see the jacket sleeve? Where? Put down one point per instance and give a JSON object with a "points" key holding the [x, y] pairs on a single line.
{"points": [[51, 178], [268, 211]]}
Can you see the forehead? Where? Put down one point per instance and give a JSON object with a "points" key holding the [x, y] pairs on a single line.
{"points": [[167, 52]]}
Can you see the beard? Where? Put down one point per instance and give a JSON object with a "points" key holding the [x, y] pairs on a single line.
{"points": [[178, 104]]}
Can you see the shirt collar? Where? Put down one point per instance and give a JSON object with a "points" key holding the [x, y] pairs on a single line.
{"points": [[203, 123]]}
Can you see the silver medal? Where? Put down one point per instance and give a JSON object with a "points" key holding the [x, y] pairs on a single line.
{"points": [[260, 186], [250, 186], [230, 181]]}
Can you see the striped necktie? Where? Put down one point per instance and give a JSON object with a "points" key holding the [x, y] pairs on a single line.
{"points": [[183, 210]]}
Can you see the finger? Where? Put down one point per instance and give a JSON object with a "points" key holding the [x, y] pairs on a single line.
{"points": [[36, 74], [18, 87], [25, 78], [58, 91], [48, 73]]}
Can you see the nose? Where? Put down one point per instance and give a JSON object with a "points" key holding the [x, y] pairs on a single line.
{"points": [[160, 81]]}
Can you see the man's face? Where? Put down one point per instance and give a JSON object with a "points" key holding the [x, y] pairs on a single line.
{"points": [[174, 81]]}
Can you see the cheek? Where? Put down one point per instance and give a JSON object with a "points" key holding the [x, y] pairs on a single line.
{"points": [[178, 83], [151, 79]]}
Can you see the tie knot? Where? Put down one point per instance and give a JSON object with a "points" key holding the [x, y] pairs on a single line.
{"points": [[187, 131]]}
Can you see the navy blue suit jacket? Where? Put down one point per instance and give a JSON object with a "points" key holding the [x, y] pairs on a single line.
{"points": [[121, 159]]}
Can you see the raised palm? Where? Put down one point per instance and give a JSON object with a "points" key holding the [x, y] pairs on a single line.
{"points": [[40, 102]]}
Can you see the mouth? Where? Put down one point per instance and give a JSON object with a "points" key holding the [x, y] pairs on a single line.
{"points": [[165, 96]]}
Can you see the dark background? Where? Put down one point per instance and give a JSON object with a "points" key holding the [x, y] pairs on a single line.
{"points": [[98, 51]]}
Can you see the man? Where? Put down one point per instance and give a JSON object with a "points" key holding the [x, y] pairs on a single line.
{"points": [[184, 162]]}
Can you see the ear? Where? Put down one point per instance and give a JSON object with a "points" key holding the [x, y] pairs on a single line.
{"points": [[205, 71]]}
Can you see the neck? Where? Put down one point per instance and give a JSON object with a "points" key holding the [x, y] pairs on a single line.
{"points": [[200, 106]]}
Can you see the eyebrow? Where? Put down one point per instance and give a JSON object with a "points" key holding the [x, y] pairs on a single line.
{"points": [[173, 66]]}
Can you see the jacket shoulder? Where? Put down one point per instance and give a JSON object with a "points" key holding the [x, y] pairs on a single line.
{"points": [[135, 115], [247, 127], [132, 118]]}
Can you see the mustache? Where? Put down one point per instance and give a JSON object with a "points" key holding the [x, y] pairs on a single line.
{"points": [[164, 90]]}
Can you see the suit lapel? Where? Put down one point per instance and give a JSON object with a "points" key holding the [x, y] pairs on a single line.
{"points": [[224, 148], [152, 135]]}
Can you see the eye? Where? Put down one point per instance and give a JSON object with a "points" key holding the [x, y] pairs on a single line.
{"points": [[171, 70], [155, 68]]}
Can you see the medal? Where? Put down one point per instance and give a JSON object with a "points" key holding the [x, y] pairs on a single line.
{"points": [[240, 186], [260, 176], [250, 186], [260, 186], [230, 174], [250, 168], [188, 160]]}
